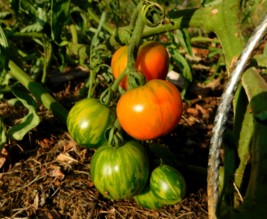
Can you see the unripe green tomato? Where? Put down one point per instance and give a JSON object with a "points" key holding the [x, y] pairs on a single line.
{"points": [[147, 199], [88, 121], [122, 172], [168, 184]]}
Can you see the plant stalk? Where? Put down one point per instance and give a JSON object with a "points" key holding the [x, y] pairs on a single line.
{"points": [[39, 92]]}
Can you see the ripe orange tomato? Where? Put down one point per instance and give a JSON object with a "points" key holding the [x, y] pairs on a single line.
{"points": [[150, 111], [152, 60], [118, 64]]}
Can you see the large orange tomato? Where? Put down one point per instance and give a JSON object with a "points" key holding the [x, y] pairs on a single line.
{"points": [[150, 111], [152, 60]]}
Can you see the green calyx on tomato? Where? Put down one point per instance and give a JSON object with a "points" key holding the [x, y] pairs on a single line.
{"points": [[121, 172], [168, 184], [88, 121], [150, 111], [152, 60]]}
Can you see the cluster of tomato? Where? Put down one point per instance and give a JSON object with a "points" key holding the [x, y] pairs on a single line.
{"points": [[144, 113]]}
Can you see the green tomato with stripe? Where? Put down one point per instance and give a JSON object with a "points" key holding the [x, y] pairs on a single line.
{"points": [[147, 199], [120, 172], [168, 184], [88, 121]]}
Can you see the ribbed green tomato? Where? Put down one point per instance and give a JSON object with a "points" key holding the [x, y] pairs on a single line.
{"points": [[147, 199], [122, 172], [168, 184], [88, 121]]}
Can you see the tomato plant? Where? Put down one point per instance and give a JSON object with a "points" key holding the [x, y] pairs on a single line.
{"points": [[120, 172], [87, 122], [152, 60], [150, 111], [53, 35], [168, 184]]}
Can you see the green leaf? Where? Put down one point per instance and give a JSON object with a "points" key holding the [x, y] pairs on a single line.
{"points": [[48, 49], [41, 20], [28, 122], [5, 14], [261, 60], [2, 133], [184, 66], [4, 55], [25, 6], [60, 14], [97, 54], [14, 4], [185, 40], [256, 90], [36, 27], [80, 50], [207, 3], [116, 11], [243, 132]]}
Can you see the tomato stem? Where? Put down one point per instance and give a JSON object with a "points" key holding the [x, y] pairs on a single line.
{"points": [[94, 16], [115, 136], [134, 44], [134, 17], [136, 38], [93, 65], [138, 25], [39, 92], [74, 34], [140, 17]]}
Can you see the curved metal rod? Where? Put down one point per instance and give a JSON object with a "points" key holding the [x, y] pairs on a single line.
{"points": [[222, 115]]}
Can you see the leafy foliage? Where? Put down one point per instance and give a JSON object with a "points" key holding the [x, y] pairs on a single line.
{"points": [[3, 137], [60, 15], [4, 55], [28, 122]]}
